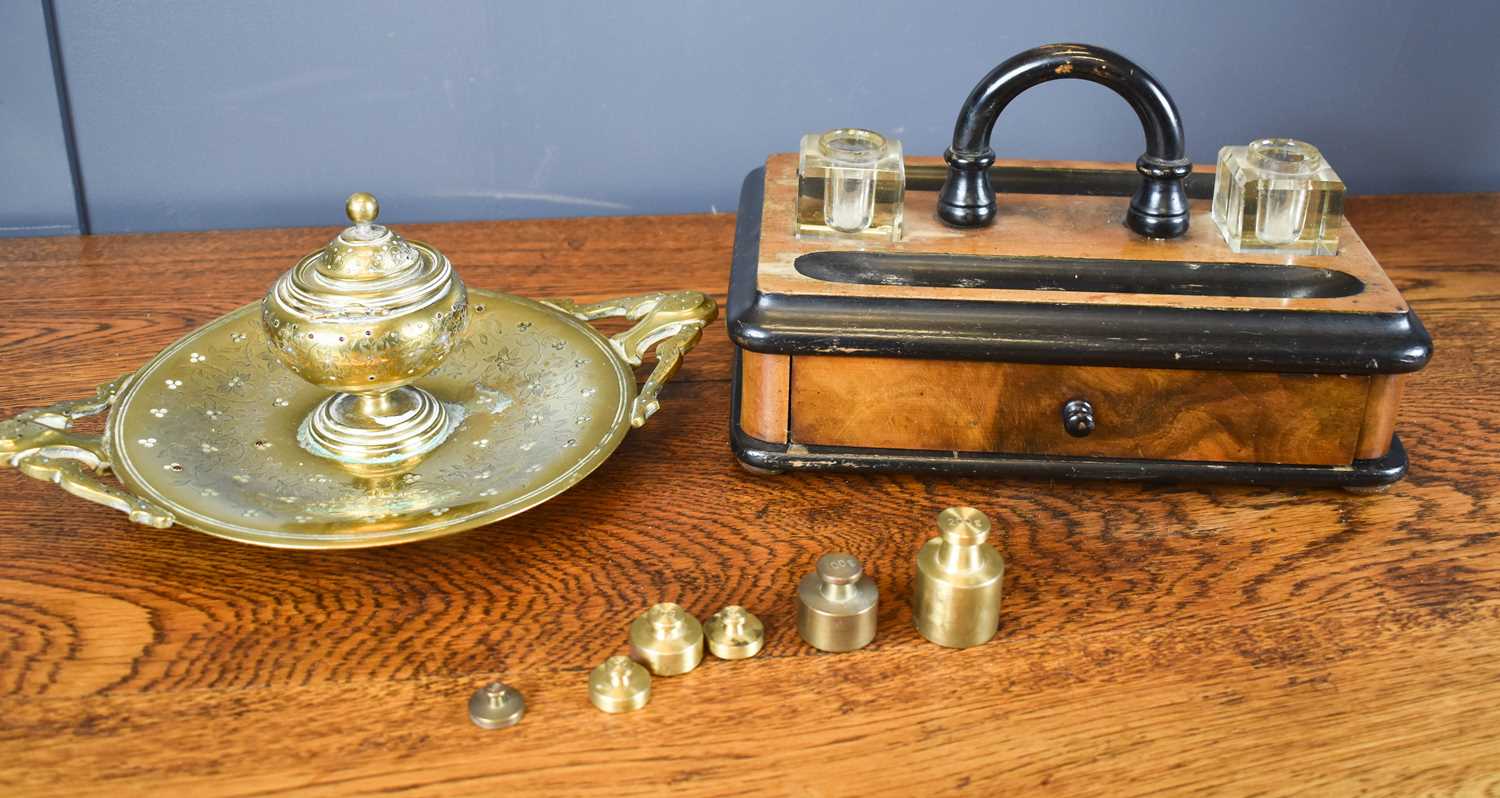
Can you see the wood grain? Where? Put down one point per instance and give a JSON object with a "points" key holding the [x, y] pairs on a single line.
{"points": [[765, 381], [1154, 639], [1156, 414], [1381, 412]]}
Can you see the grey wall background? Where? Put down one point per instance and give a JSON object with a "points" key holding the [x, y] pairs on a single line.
{"points": [[36, 185], [189, 115]]}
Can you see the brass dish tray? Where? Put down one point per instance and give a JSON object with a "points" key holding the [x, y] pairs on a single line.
{"points": [[207, 433]]}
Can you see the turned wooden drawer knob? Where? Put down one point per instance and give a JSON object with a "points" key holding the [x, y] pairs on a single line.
{"points": [[1078, 417]]}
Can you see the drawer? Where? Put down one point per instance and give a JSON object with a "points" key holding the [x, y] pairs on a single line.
{"points": [[1163, 414]]}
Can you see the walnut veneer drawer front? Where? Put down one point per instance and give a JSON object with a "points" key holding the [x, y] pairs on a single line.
{"points": [[900, 403]]}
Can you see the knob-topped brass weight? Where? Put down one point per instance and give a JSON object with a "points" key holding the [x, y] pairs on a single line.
{"points": [[496, 706], [667, 640], [734, 633], [620, 684], [956, 601], [366, 316], [836, 604]]}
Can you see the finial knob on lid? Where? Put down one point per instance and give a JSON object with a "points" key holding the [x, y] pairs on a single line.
{"points": [[361, 208], [365, 316]]}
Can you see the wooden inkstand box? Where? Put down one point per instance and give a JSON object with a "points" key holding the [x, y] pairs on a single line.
{"points": [[893, 313]]}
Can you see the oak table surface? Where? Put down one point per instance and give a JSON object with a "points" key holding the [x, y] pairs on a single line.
{"points": [[1153, 638]]}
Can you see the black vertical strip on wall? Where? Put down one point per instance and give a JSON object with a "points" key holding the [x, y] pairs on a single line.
{"points": [[65, 110]]}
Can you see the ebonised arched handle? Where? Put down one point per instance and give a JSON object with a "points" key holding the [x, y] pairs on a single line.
{"points": [[1159, 208]]}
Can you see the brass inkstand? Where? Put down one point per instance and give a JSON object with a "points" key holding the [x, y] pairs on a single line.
{"points": [[370, 398]]}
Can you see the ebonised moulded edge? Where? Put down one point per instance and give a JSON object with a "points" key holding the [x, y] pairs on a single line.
{"points": [[1081, 334]]}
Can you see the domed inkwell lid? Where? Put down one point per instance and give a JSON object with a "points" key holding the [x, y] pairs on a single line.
{"points": [[367, 269], [365, 250]]}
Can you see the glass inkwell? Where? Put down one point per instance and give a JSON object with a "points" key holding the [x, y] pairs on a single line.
{"points": [[1278, 195]]}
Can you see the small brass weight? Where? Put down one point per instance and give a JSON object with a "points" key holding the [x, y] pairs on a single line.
{"points": [[364, 317]]}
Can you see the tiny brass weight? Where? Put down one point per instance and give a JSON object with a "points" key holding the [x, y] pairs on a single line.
{"points": [[496, 706], [619, 684], [956, 601], [364, 317], [667, 640], [836, 604], [734, 633]]}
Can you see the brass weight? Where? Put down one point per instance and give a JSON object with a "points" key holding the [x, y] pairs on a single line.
{"points": [[956, 601], [836, 604], [496, 706], [619, 684], [667, 640], [734, 633]]}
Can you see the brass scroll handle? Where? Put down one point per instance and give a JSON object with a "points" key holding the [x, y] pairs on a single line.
{"points": [[672, 322], [42, 445]]}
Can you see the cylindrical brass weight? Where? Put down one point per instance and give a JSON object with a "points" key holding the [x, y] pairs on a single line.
{"points": [[734, 633], [957, 594], [667, 640], [619, 685], [836, 604]]}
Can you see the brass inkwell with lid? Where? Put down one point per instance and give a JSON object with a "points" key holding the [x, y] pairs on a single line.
{"points": [[369, 398]]}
